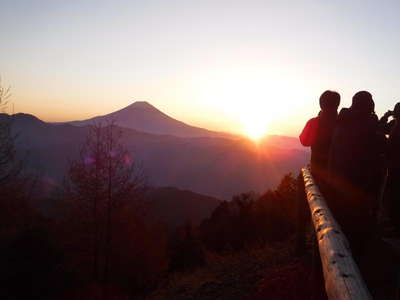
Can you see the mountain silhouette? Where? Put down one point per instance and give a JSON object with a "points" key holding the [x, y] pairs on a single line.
{"points": [[143, 116], [176, 207], [23, 119]]}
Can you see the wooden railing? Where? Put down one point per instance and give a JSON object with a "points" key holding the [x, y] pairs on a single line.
{"points": [[342, 277]]}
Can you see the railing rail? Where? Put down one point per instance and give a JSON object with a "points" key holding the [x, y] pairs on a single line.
{"points": [[342, 277]]}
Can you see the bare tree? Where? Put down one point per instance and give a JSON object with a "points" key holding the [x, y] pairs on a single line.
{"points": [[103, 180], [9, 165], [5, 94]]}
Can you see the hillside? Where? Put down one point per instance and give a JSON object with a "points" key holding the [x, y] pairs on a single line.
{"points": [[176, 207], [260, 273]]}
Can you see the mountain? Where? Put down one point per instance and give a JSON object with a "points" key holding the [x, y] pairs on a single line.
{"points": [[142, 116], [176, 207], [214, 166], [167, 205]]}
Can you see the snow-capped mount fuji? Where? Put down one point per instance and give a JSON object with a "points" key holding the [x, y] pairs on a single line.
{"points": [[143, 116]]}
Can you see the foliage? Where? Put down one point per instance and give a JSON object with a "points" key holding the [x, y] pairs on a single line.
{"points": [[33, 265], [186, 251], [250, 219], [234, 275]]}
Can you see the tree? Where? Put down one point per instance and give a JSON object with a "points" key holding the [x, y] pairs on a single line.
{"points": [[100, 183], [25, 242], [9, 166], [15, 187], [249, 219]]}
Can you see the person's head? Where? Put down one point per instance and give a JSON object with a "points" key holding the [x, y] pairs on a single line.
{"points": [[363, 103], [329, 100], [396, 111]]}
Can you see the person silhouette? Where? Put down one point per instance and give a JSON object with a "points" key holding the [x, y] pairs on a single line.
{"points": [[318, 133], [392, 189], [356, 169]]}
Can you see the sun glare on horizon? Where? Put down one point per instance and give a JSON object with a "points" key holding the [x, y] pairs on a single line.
{"points": [[256, 100], [254, 123], [255, 130]]}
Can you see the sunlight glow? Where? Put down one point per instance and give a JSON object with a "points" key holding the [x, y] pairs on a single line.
{"points": [[255, 129], [257, 100]]}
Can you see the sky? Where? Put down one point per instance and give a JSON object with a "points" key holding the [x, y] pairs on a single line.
{"points": [[238, 66]]}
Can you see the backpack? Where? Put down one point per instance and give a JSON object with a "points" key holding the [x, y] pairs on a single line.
{"points": [[309, 133]]}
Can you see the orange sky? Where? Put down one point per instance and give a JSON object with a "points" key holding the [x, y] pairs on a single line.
{"points": [[236, 66]]}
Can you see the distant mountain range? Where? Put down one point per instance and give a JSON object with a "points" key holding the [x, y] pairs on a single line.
{"points": [[213, 165], [166, 205], [142, 116], [175, 207]]}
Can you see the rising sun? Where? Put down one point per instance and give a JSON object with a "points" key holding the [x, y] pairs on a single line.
{"points": [[248, 97], [255, 128]]}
